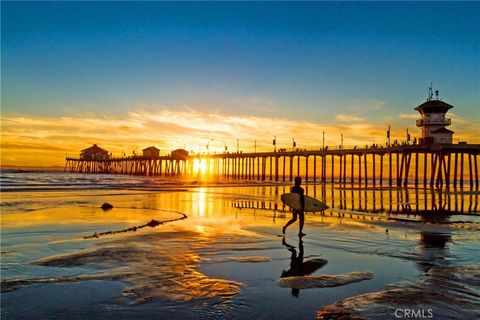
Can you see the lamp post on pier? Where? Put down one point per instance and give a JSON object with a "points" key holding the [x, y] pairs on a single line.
{"points": [[388, 136], [208, 145]]}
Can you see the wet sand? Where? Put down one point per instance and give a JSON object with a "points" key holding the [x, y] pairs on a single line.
{"points": [[227, 259]]}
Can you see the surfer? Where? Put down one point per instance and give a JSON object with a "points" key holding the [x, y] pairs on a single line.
{"points": [[300, 213]]}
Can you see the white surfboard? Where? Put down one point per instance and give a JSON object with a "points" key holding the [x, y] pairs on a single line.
{"points": [[292, 200]]}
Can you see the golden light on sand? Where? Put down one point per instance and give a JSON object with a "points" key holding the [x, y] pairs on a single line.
{"points": [[200, 229], [202, 202]]}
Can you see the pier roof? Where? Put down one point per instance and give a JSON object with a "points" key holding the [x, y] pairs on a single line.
{"points": [[433, 106], [443, 130], [151, 148], [94, 149]]}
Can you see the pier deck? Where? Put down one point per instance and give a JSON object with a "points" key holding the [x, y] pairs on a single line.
{"points": [[430, 165]]}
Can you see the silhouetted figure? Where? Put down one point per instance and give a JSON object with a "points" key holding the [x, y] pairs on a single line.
{"points": [[297, 189], [298, 268]]}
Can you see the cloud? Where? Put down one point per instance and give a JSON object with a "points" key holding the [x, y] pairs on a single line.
{"points": [[409, 116], [261, 105], [466, 129], [361, 111], [366, 106], [456, 119], [35, 140], [348, 118]]}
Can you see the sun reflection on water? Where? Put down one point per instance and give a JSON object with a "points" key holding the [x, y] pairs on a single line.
{"points": [[202, 202], [200, 229]]}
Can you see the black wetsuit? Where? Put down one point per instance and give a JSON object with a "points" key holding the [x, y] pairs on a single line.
{"points": [[297, 213], [301, 192]]}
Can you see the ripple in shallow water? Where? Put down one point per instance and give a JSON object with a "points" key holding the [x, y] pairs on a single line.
{"points": [[449, 292], [323, 280], [250, 259], [155, 266]]}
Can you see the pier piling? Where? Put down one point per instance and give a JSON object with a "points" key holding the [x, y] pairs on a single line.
{"points": [[437, 169]]}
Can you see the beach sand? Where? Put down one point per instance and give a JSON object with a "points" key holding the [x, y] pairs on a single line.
{"points": [[65, 257]]}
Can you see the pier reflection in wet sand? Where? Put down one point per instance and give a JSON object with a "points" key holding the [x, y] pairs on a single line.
{"points": [[392, 201]]}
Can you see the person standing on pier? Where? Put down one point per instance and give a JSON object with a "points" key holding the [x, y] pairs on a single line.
{"points": [[300, 213]]}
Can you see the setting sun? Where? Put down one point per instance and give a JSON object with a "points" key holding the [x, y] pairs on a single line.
{"points": [[199, 166]]}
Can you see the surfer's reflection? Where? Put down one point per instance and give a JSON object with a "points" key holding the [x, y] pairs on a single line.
{"points": [[433, 250], [298, 268], [434, 240]]}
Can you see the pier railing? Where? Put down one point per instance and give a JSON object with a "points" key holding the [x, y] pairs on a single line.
{"points": [[427, 121], [428, 165]]}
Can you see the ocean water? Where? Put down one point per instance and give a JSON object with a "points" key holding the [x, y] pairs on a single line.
{"points": [[12, 180], [374, 251]]}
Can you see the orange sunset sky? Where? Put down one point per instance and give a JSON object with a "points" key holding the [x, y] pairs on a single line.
{"points": [[188, 75]]}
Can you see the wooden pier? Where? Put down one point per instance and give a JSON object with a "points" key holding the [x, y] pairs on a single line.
{"points": [[431, 166]]}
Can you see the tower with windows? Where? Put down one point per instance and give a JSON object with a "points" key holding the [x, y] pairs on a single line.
{"points": [[433, 121]]}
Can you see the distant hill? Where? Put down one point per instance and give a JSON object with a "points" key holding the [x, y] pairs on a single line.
{"points": [[31, 168]]}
